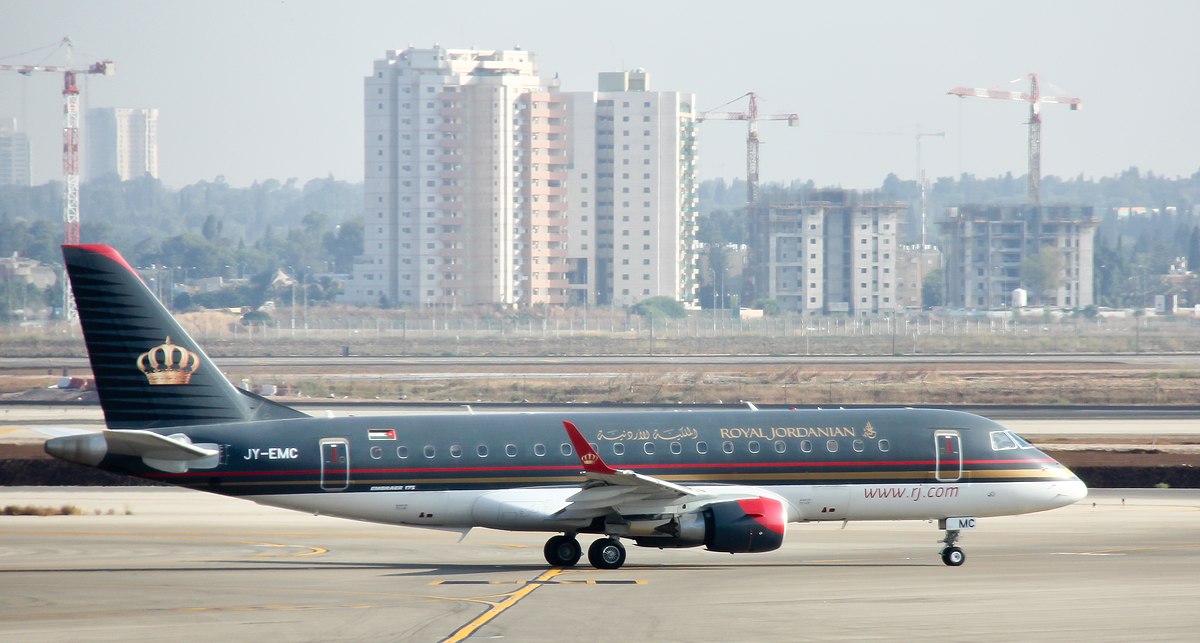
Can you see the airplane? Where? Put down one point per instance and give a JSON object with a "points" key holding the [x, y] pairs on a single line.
{"points": [[727, 480]]}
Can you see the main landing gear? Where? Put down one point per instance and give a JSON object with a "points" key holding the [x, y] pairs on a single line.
{"points": [[952, 555], [604, 553], [562, 551]]}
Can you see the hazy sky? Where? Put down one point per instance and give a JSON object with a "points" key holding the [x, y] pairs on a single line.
{"points": [[259, 90]]}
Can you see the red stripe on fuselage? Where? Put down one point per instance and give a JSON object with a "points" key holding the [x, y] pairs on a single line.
{"points": [[644, 467]]}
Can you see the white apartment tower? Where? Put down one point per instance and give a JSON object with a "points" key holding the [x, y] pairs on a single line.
{"points": [[121, 141], [465, 170], [16, 157], [632, 182]]}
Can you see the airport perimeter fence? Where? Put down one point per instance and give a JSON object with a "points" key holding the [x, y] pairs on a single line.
{"points": [[357, 332]]}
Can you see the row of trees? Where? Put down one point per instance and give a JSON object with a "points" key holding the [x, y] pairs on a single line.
{"points": [[214, 229]]}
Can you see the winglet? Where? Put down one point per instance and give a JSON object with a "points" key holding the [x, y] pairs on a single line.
{"points": [[587, 455]]}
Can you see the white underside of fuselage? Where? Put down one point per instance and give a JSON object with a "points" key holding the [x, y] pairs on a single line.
{"points": [[534, 509]]}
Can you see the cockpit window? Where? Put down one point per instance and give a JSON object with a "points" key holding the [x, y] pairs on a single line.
{"points": [[1021, 441], [1002, 441]]}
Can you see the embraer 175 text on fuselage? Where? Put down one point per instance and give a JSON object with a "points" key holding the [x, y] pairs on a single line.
{"points": [[729, 481]]}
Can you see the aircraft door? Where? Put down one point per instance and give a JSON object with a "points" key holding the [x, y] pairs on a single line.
{"points": [[335, 464], [948, 454]]}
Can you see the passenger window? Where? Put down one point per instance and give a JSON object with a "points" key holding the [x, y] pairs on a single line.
{"points": [[430, 451], [510, 450], [376, 452], [539, 449], [831, 446], [676, 448], [885, 445], [752, 446], [858, 446], [482, 450], [806, 446], [455, 451], [702, 447], [594, 447], [1002, 441], [648, 448], [618, 448], [780, 446], [401, 452], [565, 449], [727, 447]]}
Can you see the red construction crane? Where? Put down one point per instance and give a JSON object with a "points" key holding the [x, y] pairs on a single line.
{"points": [[752, 140], [1035, 99], [70, 142]]}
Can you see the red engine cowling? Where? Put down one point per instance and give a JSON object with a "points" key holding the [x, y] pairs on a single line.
{"points": [[750, 525], [734, 526]]}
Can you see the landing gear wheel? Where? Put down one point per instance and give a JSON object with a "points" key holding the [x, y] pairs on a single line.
{"points": [[563, 551], [606, 553], [953, 556]]}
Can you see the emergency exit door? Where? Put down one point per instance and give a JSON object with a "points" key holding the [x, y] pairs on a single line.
{"points": [[948, 456], [335, 464]]}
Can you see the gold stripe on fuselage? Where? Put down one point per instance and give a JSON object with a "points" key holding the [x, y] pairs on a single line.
{"points": [[848, 476]]}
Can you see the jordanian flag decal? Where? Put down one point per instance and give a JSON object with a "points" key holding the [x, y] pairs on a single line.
{"points": [[381, 434]]}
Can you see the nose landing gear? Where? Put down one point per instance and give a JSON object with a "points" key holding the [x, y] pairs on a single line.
{"points": [[952, 555]]}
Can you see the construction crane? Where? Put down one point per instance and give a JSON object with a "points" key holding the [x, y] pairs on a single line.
{"points": [[752, 118], [921, 176], [70, 142], [1035, 99]]}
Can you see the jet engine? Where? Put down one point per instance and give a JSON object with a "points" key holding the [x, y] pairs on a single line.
{"points": [[735, 526]]}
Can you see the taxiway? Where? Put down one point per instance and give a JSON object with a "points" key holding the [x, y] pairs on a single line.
{"points": [[170, 563]]}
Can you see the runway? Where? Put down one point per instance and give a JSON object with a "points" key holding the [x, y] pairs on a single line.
{"points": [[179, 564]]}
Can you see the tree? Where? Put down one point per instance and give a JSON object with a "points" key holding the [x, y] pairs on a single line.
{"points": [[933, 289], [1193, 251], [770, 307], [659, 307], [1042, 271]]}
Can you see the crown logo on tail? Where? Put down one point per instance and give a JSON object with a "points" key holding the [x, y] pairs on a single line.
{"points": [[168, 364], [589, 459]]}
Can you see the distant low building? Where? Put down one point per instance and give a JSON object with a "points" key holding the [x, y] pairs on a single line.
{"points": [[15, 268]]}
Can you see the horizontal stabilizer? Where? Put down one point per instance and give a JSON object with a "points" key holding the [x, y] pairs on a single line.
{"points": [[173, 453]]}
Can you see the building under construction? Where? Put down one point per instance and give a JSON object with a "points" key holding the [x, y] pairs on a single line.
{"points": [[833, 253], [986, 247]]}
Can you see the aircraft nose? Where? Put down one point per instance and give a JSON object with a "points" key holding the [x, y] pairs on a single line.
{"points": [[1068, 492]]}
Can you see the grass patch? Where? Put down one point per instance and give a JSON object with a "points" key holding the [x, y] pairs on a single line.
{"points": [[35, 510]]}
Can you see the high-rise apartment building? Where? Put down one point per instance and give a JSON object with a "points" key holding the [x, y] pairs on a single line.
{"points": [[832, 254], [121, 141], [986, 246], [465, 170], [16, 157], [633, 192]]}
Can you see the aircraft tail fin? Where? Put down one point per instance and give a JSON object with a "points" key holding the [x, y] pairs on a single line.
{"points": [[149, 372]]}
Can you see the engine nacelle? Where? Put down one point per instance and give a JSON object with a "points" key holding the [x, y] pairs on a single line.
{"points": [[735, 526]]}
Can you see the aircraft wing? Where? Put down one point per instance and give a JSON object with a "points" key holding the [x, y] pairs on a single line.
{"points": [[606, 488]]}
